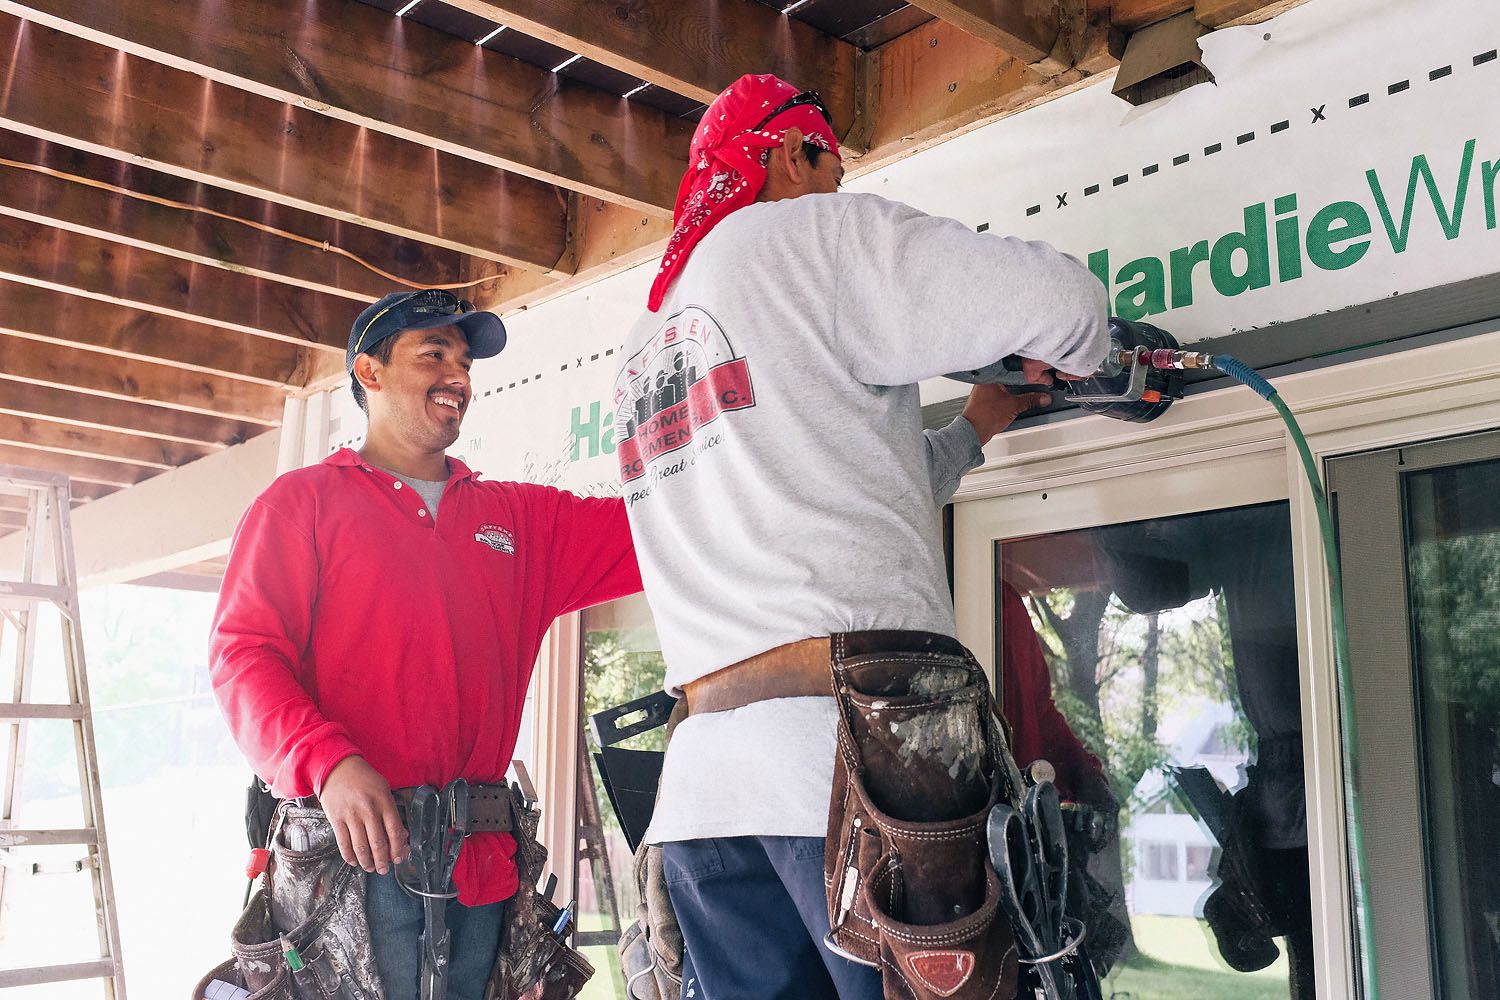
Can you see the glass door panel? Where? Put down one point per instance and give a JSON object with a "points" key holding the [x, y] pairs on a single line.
{"points": [[621, 662], [1452, 517], [1155, 665], [1419, 536]]}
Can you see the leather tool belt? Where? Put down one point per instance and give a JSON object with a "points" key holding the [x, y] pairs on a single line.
{"points": [[795, 670], [490, 807], [922, 759]]}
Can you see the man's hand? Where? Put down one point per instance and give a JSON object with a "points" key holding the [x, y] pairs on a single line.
{"points": [[992, 408], [363, 814], [1041, 373]]}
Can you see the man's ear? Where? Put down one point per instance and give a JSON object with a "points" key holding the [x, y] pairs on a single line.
{"points": [[367, 370]]}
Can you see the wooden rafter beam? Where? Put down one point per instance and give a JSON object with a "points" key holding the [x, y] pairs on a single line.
{"points": [[138, 381], [97, 195], [69, 439], [691, 48], [38, 313], [68, 90], [95, 412], [36, 254], [1133, 14], [1026, 29], [85, 470], [938, 81], [358, 64]]}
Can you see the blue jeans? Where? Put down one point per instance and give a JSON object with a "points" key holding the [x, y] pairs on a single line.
{"points": [[753, 912], [396, 924]]}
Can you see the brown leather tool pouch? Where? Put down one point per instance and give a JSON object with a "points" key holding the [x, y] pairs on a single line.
{"points": [[921, 759]]}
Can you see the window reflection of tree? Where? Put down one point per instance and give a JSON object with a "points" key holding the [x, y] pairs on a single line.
{"points": [[1215, 596]]}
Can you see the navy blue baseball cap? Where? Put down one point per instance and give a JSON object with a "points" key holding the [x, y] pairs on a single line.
{"points": [[425, 309]]}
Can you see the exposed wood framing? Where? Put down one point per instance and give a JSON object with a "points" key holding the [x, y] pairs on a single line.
{"points": [[73, 440], [84, 470], [1133, 14], [161, 385], [231, 243], [694, 49], [352, 62], [88, 96], [194, 236], [38, 313], [102, 413], [55, 258], [939, 81], [1026, 29]]}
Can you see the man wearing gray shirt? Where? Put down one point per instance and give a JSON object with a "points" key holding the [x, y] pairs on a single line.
{"points": [[778, 493]]}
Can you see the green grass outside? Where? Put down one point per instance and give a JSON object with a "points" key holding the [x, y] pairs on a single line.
{"points": [[1178, 961]]}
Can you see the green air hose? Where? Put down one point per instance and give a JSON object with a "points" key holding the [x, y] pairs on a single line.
{"points": [[1349, 735]]}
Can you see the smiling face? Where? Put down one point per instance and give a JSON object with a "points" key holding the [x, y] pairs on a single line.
{"points": [[420, 395]]}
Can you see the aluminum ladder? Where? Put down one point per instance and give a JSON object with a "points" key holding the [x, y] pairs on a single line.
{"points": [[48, 497]]}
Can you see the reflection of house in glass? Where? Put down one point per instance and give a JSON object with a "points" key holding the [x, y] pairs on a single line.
{"points": [[1173, 851]]}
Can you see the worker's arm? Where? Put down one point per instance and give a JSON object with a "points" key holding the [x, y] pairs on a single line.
{"points": [[918, 296], [261, 632], [955, 449], [591, 558]]}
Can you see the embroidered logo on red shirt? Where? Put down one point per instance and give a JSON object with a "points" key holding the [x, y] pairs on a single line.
{"points": [[942, 972], [681, 379], [496, 538]]}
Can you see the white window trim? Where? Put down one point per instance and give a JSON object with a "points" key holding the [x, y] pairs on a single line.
{"points": [[1222, 448], [555, 747]]}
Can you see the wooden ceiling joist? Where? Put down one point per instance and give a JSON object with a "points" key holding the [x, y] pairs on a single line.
{"points": [[138, 381], [358, 64], [37, 313], [693, 49], [69, 439], [113, 199], [96, 412], [85, 265], [1026, 29], [85, 95], [82, 470]]}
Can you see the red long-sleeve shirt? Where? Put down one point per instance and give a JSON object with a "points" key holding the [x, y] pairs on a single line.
{"points": [[1037, 728], [351, 621]]}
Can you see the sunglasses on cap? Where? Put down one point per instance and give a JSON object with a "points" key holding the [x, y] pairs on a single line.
{"points": [[806, 97], [427, 302]]}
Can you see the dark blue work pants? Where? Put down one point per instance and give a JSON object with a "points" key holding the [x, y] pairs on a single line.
{"points": [[754, 912]]}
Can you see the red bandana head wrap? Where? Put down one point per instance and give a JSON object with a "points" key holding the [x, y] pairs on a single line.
{"points": [[727, 162]]}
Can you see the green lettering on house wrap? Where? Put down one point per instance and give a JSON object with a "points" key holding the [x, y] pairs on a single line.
{"points": [[1276, 245], [597, 432]]}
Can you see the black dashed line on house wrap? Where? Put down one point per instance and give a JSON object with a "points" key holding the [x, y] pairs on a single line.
{"points": [[1439, 73], [1398, 87], [1150, 169], [1358, 100], [1091, 189], [1486, 57]]}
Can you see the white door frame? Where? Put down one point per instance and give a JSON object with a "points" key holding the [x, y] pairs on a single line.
{"points": [[1229, 448]]}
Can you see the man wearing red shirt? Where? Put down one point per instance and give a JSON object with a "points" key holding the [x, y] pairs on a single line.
{"points": [[381, 612]]}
